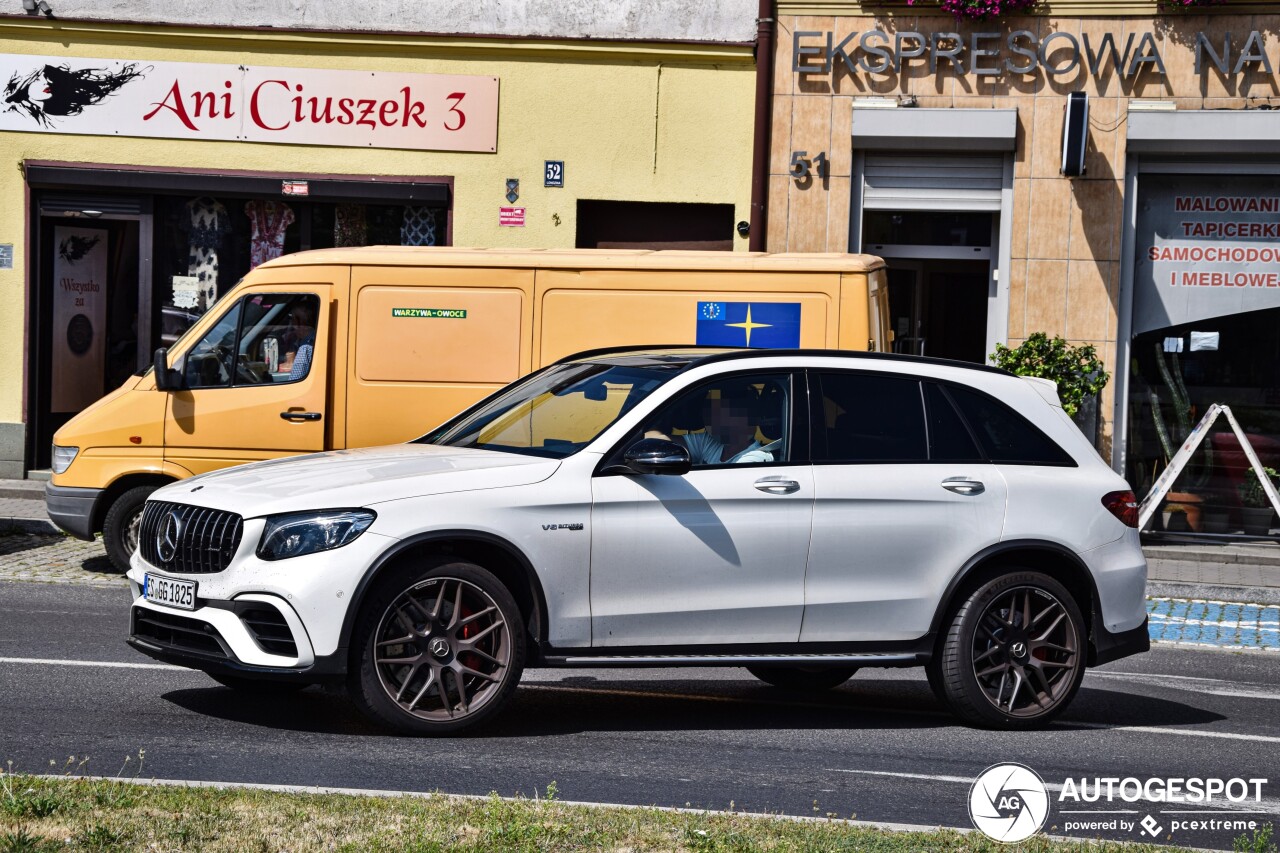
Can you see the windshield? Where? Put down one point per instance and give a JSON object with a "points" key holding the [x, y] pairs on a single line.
{"points": [[557, 412]]}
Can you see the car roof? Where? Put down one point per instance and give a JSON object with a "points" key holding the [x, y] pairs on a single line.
{"points": [[687, 356]]}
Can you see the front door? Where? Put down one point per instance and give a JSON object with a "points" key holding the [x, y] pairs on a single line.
{"points": [[256, 381], [715, 556]]}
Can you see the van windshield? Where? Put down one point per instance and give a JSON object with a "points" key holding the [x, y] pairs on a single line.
{"points": [[557, 412]]}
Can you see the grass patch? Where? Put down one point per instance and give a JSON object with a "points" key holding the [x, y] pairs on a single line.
{"points": [[68, 813]]}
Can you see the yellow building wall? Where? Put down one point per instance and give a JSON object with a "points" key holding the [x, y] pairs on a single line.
{"points": [[633, 122]]}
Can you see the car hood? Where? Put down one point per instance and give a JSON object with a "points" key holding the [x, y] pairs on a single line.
{"points": [[354, 478]]}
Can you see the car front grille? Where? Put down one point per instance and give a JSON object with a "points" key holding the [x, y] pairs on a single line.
{"points": [[182, 633], [188, 539], [269, 630]]}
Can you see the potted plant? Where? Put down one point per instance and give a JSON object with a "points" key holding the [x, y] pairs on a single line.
{"points": [[1256, 510], [979, 10], [1077, 371]]}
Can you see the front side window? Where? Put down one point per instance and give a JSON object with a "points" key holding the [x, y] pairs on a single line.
{"points": [[556, 412], [731, 421], [263, 338], [868, 418]]}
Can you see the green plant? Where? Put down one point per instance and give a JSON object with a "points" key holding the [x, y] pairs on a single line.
{"points": [[1251, 492], [1259, 842], [1077, 371]]}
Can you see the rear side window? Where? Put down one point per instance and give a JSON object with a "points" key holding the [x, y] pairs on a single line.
{"points": [[869, 418], [1005, 435], [949, 438]]}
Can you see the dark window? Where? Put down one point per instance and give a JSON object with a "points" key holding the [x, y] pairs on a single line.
{"points": [[1004, 434], [869, 418], [949, 438], [654, 225]]}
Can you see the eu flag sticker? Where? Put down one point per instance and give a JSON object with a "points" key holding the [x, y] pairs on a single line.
{"points": [[762, 325]]}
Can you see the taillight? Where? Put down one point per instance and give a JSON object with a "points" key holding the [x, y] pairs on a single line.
{"points": [[1123, 505]]}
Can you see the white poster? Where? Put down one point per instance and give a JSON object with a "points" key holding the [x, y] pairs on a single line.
{"points": [[301, 106], [79, 316]]}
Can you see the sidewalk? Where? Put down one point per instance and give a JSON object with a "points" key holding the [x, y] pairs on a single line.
{"points": [[1181, 569]]}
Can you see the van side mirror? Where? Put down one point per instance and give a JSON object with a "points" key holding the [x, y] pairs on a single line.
{"points": [[657, 456], [167, 379]]}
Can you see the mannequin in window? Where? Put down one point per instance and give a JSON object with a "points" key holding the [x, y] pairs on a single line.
{"points": [[206, 225], [269, 221]]}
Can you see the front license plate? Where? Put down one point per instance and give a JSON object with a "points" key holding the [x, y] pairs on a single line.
{"points": [[170, 592]]}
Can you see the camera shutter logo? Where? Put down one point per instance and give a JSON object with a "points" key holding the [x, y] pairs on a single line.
{"points": [[1008, 802], [168, 536]]}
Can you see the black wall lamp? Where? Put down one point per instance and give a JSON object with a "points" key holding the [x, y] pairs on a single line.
{"points": [[1075, 134]]}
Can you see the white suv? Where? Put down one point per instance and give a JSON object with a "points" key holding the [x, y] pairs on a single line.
{"points": [[798, 513]]}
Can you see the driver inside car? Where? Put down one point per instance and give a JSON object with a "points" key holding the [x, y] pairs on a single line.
{"points": [[730, 435]]}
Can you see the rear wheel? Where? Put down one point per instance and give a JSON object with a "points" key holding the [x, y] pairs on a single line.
{"points": [[441, 648], [807, 679], [120, 526], [1014, 653]]}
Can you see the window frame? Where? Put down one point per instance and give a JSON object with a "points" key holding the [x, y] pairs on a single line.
{"points": [[239, 305]]}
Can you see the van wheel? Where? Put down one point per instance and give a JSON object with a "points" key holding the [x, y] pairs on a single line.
{"points": [[441, 648], [120, 527], [806, 679], [1013, 656]]}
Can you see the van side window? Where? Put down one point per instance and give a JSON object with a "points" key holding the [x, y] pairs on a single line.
{"points": [[1005, 435], [866, 418], [263, 338]]}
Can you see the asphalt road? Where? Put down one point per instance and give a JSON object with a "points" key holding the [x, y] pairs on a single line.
{"points": [[880, 747]]}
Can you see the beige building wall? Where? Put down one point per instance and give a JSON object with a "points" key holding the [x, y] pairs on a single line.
{"points": [[1065, 274]]}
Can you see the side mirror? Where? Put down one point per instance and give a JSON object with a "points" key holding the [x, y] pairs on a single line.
{"points": [[167, 379], [657, 456]]}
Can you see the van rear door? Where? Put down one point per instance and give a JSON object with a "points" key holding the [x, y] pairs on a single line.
{"points": [[256, 382]]}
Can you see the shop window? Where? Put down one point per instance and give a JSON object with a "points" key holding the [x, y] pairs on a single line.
{"points": [[926, 228], [654, 225], [1178, 372], [870, 419]]}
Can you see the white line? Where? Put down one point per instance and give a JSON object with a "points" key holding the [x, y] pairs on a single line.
{"points": [[1199, 685], [108, 663], [425, 795], [1155, 730]]}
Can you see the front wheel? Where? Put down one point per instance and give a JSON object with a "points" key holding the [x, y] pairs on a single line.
{"points": [[441, 646], [1013, 656], [806, 679], [121, 524]]}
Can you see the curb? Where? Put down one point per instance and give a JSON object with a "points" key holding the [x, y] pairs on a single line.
{"points": [[28, 525], [1213, 592]]}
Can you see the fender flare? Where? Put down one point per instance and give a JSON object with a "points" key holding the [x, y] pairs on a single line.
{"points": [[536, 626], [991, 551]]}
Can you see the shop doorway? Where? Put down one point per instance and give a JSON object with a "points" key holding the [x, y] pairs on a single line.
{"points": [[92, 271], [941, 279]]}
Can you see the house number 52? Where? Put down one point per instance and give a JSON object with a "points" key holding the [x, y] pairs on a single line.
{"points": [[803, 168]]}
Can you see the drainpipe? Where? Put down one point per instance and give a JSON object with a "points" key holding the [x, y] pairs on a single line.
{"points": [[764, 117]]}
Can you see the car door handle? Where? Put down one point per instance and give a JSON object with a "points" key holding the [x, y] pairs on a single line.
{"points": [[777, 485], [300, 416], [963, 486]]}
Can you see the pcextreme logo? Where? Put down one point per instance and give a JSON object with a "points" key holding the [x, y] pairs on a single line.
{"points": [[1009, 802]]}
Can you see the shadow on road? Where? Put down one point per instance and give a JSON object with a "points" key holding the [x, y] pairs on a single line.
{"points": [[578, 704]]}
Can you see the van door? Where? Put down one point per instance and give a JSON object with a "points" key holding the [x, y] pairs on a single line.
{"points": [[256, 381]]}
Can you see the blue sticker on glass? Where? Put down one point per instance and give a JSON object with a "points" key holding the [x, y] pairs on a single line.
{"points": [[760, 325]]}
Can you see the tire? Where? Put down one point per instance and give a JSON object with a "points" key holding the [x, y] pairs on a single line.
{"points": [[457, 665], [1013, 655], [120, 527], [258, 686], [806, 679]]}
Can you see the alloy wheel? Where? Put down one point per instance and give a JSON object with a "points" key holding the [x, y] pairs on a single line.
{"points": [[442, 650], [129, 535], [1025, 652]]}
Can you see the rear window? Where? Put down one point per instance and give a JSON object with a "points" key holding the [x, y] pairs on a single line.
{"points": [[1005, 435]]}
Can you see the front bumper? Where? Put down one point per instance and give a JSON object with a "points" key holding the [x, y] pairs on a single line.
{"points": [[72, 509]]}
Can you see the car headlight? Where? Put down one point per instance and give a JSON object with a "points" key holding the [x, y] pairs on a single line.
{"points": [[63, 457], [301, 533]]}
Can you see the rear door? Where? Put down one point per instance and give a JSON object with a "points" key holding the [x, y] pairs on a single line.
{"points": [[257, 381], [903, 497]]}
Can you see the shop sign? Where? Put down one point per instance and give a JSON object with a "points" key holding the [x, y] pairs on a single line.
{"points": [[299, 106], [553, 173], [6, 256], [79, 316], [511, 217], [1020, 52], [431, 313], [295, 188], [1207, 247]]}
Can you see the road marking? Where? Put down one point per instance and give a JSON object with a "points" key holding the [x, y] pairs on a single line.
{"points": [[1174, 731], [108, 663], [1194, 685], [1266, 807]]}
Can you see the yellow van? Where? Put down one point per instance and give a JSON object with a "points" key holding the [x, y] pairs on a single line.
{"points": [[338, 348]]}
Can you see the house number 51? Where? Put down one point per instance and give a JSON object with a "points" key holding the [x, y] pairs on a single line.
{"points": [[803, 168]]}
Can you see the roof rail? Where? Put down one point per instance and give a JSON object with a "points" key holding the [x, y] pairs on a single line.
{"points": [[719, 354]]}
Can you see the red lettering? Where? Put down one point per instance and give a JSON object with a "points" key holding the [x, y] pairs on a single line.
{"points": [[388, 108], [297, 106], [345, 106], [255, 114], [412, 110], [176, 107], [456, 97], [226, 102], [316, 116], [366, 110], [200, 99]]}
